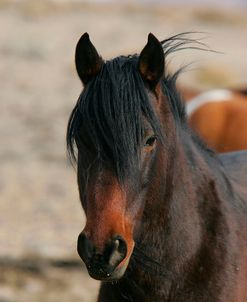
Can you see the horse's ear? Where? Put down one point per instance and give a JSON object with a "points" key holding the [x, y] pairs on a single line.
{"points": [[87, 60], [151, 62]]}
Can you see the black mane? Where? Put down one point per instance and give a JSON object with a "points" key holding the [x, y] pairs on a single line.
{"points": [[107, 119]]}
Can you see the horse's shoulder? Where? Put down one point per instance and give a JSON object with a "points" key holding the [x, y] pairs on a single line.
{"points": [[234, 159], [235, 164]]}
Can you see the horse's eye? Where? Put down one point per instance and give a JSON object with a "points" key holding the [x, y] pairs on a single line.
{"points": [[150, 141]]}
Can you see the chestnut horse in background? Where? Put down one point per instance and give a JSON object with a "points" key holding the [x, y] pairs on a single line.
{"points": [[166, 218], [220, 118]]}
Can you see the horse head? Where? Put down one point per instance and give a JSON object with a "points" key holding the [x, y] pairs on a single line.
{"points": [[117, 128]]}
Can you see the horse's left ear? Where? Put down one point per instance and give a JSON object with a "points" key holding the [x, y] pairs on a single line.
{"points": [[151, 62], [87, 60]]}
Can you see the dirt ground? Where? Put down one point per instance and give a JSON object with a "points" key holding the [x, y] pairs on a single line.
{"points": [[41, 216], [41, 281]]}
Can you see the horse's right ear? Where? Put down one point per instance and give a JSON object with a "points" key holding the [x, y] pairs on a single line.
{"points": [[87, 60], [151, 62]]}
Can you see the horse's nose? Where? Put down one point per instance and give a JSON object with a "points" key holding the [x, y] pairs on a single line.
{"points": [[101, 265], [85, 248]]}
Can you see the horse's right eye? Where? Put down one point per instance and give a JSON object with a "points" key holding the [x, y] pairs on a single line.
{"points": [[150, 141]]}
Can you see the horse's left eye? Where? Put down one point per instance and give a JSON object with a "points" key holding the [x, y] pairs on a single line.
{"points": [[150, 141]]}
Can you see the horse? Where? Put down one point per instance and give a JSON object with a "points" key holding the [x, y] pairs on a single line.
{"points": [[166, 217], [220, 117]]}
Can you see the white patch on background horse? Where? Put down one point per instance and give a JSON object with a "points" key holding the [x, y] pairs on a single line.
{"points": [[212, 96]]}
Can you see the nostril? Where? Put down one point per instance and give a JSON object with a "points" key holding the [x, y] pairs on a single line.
{"points": [[114, 252], [118, 251], [121, 246], [84, 248]]}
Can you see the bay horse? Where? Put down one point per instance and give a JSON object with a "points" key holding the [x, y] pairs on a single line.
{"points": [[166, 218], [220, 118]]}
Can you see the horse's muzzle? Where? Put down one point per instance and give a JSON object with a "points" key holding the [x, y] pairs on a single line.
{"points": [[104, 265]]}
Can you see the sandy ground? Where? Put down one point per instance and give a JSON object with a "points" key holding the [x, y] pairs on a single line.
{"points": [[41, 216], [41, 281]]}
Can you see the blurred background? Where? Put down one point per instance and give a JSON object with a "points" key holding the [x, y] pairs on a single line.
{"points": [[40, 213]]}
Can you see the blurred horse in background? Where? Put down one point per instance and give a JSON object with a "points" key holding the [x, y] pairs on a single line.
{"points": [[166, 218], [219, 117]]}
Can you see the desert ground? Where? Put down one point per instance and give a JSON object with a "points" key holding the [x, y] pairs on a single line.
{"points": [[41, 215]]}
